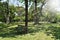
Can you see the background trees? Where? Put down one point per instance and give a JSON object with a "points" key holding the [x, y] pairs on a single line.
{"points": [[18, 18], [31, 11]]}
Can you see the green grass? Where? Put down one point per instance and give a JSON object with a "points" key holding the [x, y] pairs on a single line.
{"points": [[36, 32], [35, 36]]}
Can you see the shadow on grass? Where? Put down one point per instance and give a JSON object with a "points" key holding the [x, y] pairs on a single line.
{"points": [[55, 31], [36, 29], [13, 32]]}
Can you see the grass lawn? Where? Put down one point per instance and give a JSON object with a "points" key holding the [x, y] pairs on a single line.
{"points": [[35, 36], [35, 32]]}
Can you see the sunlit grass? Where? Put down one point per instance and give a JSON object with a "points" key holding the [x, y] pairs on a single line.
{"points": [[35, 36], [36, 32]]}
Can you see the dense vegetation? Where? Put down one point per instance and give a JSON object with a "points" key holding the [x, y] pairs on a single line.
{"points": [[24, 23]]}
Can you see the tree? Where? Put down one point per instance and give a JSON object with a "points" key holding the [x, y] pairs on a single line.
{"points": [[4, 12], [3, 8], [8, 14], [36, 15], [26, 16], [43, 2]]}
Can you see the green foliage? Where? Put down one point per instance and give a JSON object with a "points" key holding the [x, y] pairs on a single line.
{"points": [[3, 25], [54, 31], [3, 12], [17, 27], [58, 18]]}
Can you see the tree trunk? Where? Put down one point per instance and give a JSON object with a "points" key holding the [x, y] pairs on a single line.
{"points": [[43, 3], [41, 8], [26, 16], [36, 19], [7, 11]]}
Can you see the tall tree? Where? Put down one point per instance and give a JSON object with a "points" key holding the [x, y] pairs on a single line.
{"points": [[8, 14], [5, 11], [36, 16], [26, 16], [43, 2]]}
